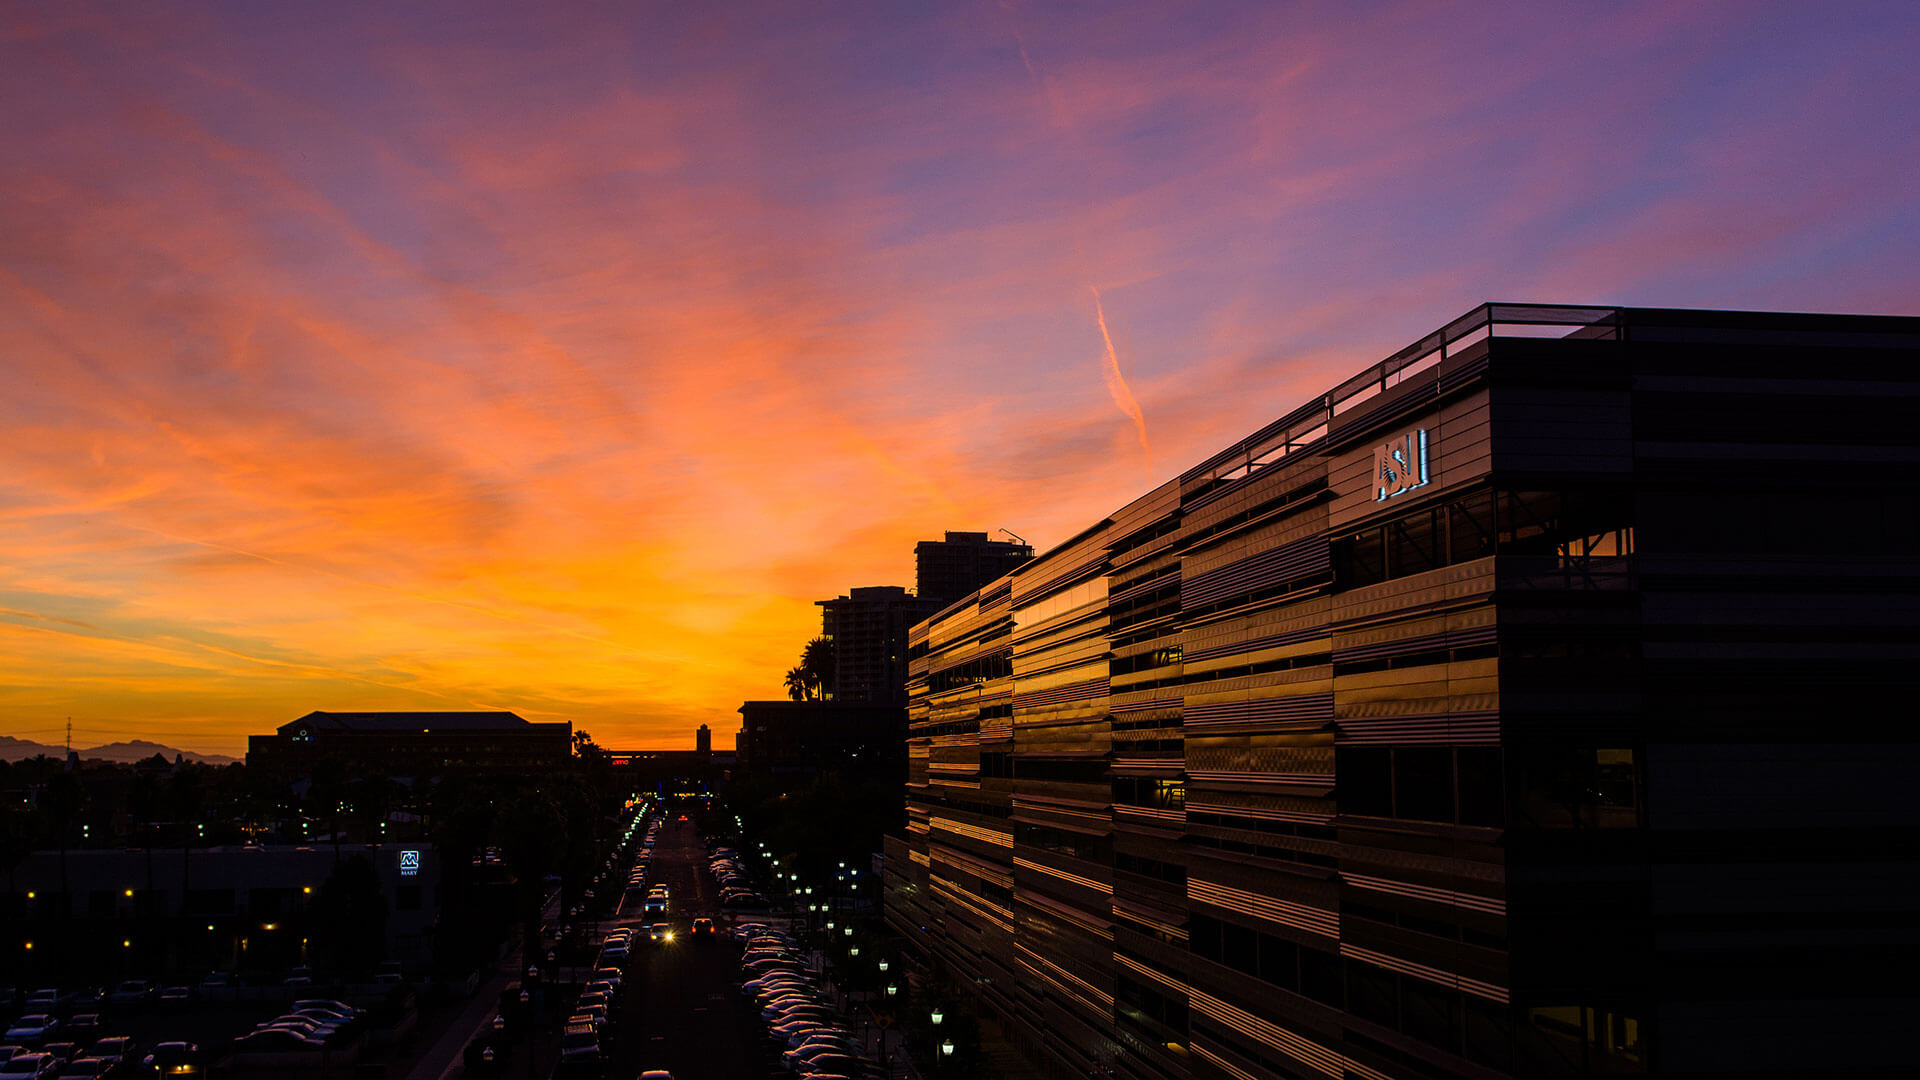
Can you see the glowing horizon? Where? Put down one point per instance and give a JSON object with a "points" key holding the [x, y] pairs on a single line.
{"points": [[557, 361]]}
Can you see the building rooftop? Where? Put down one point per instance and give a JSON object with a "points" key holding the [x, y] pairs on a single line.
{"points": [[412, 721]]}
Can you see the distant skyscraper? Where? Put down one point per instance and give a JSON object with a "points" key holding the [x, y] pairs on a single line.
{"points": [[952, 568], [869, 631], [703, 740]]}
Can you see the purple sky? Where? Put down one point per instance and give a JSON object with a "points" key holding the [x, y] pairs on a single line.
{"points": [[557, 357]]}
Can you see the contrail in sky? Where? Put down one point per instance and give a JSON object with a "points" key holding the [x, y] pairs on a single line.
{"points": [[1117, 383]]}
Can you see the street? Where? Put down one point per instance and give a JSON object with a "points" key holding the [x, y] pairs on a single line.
{"points": [[680, 1010]]}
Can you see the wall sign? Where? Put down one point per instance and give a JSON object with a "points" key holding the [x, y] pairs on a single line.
{"points": [[409, 864], [1400, 464]]}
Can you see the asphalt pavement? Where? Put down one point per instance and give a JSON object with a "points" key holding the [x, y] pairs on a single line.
{"points": [[680, 1009]]}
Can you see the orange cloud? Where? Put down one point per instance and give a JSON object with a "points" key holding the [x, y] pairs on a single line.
{"points": [[559, 360]]}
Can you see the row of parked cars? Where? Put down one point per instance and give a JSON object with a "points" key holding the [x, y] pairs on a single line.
{"points": [[114, 1056], [314, 1031], [62, 1033], [736, 888], [803, 1027]]}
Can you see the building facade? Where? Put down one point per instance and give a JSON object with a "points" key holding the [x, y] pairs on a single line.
{"points": [[800, 738], [949, 569], [411, 744], [1532, 704], [236, 909], [869, 631]]}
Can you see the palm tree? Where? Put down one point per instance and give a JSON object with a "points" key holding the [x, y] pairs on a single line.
{"points": [[818, 660], [799, 684]]}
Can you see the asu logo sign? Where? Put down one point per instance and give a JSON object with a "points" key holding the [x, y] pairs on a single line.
{"points": [[1400, 464], [409, 864]]}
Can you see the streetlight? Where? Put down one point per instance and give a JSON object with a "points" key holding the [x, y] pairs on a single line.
{"points": [[893, 989], [936, 1016], [883, 965], [946, 1048]]}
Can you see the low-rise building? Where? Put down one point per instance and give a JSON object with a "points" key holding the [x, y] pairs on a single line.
{"points": [[414, 744]]}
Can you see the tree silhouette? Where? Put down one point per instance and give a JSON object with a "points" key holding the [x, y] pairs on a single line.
{"points": [[799, 684], [350, 917], [818, 660], [64, 797], [143, 806], [186, 796]]}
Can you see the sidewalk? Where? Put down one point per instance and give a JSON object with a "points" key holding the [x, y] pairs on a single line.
{"points": [[443, 1059]]}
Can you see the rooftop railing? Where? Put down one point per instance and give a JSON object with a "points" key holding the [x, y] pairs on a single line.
{"points": [[1307, 425]]}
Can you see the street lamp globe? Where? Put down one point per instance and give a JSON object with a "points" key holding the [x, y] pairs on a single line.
{"points": [[946, 1048], [937, 1016]]}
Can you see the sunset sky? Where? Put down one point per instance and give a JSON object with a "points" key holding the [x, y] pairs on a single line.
{"points": [[557, 357]]}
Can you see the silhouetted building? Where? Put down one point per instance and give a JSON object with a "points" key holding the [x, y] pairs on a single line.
{"points": [[799, 737], [412, 744], [869, 631], [1535, 703], [703, 740], [947, 570], [194, 910]]}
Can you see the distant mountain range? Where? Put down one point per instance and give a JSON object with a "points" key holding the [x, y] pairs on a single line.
{"points": [[12, 749]]}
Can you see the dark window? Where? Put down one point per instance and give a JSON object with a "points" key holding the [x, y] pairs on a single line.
{"points": [[1363, 781], [1423, 783], [1173, 873], [1414, 544], [1320, 977], [1371, 994], [1430, 1014], [1365, 558], [1571, 787], [1280, 962], [1470, 529], [1482, 788], [1489, 1033], [1203, 937], [1240, 948]]}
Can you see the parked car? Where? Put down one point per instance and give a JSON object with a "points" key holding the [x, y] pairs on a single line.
{"points": [[580, 1050], [86, 1068], [174, 1059], [175, 997], [276, 1047], [32, 1030], [329, 1004], [82, 1027], [115, 1048], [34, 1066], [219, 986], [132, 994]]}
